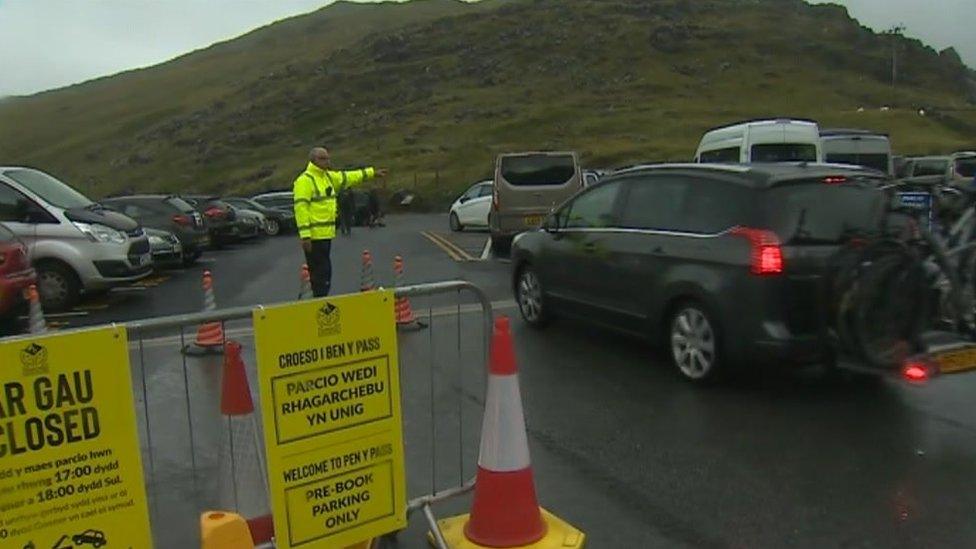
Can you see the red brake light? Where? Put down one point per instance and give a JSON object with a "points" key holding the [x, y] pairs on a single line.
{"points": [[767, 254], [3, 258], [214, 211], [835, 179], [915, 372], [182, 220]]}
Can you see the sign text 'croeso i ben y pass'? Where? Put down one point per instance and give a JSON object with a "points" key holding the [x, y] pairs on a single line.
{"points": [[330, 393], [70, 470]]}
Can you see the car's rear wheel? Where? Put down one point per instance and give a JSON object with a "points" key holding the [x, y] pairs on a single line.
{"points": [[530, 298], [694, 342], [456, 223], [272, 227], [58, 286]]}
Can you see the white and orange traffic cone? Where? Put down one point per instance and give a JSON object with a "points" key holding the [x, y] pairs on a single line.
{"points": [[210, 335], [35, 316], [505, 511], [243, 480], [366, 281], [305, 292], [405, 318]]}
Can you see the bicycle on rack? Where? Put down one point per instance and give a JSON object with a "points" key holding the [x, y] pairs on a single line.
{"points": [[918, 275]]}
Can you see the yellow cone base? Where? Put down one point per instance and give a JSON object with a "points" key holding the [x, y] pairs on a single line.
{"points": [[223, 530], [559, 533]]}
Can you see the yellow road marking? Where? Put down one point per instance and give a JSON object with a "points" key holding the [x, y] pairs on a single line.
{"points": [[449, 247]]}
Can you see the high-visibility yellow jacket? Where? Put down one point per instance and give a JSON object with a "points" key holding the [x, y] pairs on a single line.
{"points": [[315, 199]]}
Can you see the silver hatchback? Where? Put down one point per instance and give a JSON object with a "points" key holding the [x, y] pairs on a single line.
{"points": [[75, 244]]}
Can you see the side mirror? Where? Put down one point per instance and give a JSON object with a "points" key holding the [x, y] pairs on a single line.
{"points": [[464, 199], [550, 225]]}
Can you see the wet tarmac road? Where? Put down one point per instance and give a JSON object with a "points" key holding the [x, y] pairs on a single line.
{"points": [[622, 447]]}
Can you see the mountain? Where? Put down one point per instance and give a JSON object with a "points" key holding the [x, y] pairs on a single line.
{"points": [[435, 88]]}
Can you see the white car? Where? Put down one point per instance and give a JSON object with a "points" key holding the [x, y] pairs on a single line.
{"points": [[471, 208]]}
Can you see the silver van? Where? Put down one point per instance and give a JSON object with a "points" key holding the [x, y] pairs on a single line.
{"points": [[75, 244], [527, 187]]}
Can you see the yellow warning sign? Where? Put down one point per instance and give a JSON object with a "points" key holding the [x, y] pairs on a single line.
{"points": [[330, 392], [70, 468]]}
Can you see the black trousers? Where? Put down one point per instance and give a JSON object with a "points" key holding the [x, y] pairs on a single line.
{"points": [[319, 262]]}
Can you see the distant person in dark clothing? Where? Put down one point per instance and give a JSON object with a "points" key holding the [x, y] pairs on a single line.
{"points": [[375, 215], [347, 211]]}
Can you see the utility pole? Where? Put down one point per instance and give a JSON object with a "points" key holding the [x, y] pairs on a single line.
{"points": [[895, 33]]}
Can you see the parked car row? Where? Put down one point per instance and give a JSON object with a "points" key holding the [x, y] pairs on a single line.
{"points": [[70, 245]]}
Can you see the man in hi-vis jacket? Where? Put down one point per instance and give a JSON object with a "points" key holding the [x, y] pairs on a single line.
{"points": [[316, 191]]}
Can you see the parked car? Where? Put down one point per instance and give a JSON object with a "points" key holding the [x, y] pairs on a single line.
{"points": [[527, 187], [75, 244], [718, 262], [251, 224], [165, 248], [926, 166], [858, 148], [472, 207], [278, 200], [16, 274], [279, 220], [220, 217], [780, 140], [962, 170], [167, 213]]}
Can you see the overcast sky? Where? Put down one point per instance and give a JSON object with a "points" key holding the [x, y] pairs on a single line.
{"points": [[47, 44]]}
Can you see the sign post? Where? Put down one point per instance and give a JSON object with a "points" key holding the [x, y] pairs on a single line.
{"points": [[330, 395], [70, 468]]}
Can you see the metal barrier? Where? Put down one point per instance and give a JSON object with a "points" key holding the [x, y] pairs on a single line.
{"points": [[189, 448]]}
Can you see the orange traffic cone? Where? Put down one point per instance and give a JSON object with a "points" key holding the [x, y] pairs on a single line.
{"points": [[35, 318], [366, 281], [404, 312], [210, 335], [505, 511], [306, 288], [242, 451]]}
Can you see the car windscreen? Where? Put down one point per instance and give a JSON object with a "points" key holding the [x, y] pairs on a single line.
{"points": [[6, 235], [49, 189], [966, 167], [877, 161], [180, 204], [930, 167], [821, 213], [538, 169], [784, 152]]}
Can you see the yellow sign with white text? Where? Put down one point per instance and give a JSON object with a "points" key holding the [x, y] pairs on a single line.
{"points": [[70, 468], [330, 392]]}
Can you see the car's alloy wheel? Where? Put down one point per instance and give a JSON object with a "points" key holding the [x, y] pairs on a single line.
{"points": [[529, 296], [57, 287], [272, 227], [455, 222], [694, 344]]}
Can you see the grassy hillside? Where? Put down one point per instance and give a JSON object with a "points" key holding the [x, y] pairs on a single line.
{"points": [[434, 88]]}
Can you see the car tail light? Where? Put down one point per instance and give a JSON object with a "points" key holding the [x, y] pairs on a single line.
{"points": [[214, 211], [183, 220], [767, 254], [916, 371], [835, 180]]}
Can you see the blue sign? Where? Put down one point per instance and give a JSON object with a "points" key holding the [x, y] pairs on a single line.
{"points": [[918, 200]]}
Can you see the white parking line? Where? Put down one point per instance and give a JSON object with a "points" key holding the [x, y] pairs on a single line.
{"points": [[485, 253], [246, 331]]}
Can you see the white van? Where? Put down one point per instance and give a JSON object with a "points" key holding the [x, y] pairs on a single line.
{"points": [[858, 148], [780, 140]]}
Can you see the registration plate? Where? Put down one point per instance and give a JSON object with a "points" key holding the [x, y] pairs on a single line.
{"points": [[956, 360], [532, 220]]}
